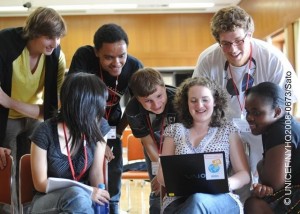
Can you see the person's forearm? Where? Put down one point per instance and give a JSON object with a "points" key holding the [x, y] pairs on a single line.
{"points": [[29, 110], [238, 180], [260, 171], [152, 152], [96, 178], [122, 125]]}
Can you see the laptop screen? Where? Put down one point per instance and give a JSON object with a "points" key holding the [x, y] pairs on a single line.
{"points": [[194, 173]]}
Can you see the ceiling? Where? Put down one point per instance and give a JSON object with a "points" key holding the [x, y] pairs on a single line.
{"points": [[86, 7]]}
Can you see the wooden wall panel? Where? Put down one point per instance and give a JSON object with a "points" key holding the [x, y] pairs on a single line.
{"points": [[157, 40], [271, 15], [160, 40]]}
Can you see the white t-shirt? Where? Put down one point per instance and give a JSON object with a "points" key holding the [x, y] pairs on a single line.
{"points": [[267, 64]]}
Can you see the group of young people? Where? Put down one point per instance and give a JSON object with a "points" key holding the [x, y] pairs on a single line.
{"points": [[238, 82]]}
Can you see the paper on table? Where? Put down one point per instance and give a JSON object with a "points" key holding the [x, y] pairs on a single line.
{"points": [[59, 183]]}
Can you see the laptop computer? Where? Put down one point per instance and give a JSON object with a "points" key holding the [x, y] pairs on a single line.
{"points": [[194, 173]]}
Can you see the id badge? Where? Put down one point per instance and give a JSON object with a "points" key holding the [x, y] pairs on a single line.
{"points": [[154, 166], [112, 134], [242, 124]]}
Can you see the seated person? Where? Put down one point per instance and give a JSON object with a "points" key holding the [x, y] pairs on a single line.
{"points": [[200, 106], [268, 114], [71, 146]]}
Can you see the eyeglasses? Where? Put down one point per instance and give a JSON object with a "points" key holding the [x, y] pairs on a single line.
{"points": [[227, 45]]}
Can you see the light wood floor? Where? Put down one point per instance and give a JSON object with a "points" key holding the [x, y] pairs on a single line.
{"points": [[136, 201], [134, 194]]}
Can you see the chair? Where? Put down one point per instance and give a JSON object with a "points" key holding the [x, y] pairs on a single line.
{"points": [[6, 183], [135, 152], [26, 188], [124, 137]]}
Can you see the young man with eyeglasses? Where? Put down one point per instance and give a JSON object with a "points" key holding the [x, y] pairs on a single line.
{"points": [[237, 62]]}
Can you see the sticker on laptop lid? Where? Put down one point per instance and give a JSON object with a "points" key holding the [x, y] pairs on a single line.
{"points": [[214, 166]]}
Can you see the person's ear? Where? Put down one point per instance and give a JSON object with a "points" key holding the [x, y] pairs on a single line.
{"points": [[96, 52], [278, 111], [250, 34]]}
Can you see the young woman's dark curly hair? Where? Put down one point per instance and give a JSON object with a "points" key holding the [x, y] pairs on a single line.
{"points": [[181, 101]]}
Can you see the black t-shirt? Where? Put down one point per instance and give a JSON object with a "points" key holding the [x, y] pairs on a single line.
{"points": [[85, 60], [280, 133], [137, 117]]}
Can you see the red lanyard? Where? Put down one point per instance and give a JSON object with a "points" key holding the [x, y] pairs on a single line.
{"points": [[107, 113], [77, 178], [159, 147], [242, 105]]}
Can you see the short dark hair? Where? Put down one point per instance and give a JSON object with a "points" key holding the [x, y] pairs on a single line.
{"points": [[181, 101], [228, 19], [109, 33], [143, 82], [83, 100], [271, 92], [44, 22]]}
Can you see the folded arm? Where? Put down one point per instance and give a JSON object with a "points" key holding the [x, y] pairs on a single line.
{"points": [[29, 110]]}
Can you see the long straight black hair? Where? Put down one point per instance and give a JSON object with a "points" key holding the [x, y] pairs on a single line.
{"points": [[83, 100]]}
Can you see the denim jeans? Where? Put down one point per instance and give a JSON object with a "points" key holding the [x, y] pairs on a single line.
{"points": [[205, 203], [68, 200], [115, 169], [154, 200]]}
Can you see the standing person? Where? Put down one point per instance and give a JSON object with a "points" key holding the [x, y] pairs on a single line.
{"points": [[200, 106], [148, 113], [32, 68], [279, 187], [237, 62], [108, 59], [71, 145]]}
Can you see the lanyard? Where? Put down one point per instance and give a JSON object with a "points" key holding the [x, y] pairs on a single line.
{"points": [[242, 105], [159, 147], [77, 178], [108, 109]]}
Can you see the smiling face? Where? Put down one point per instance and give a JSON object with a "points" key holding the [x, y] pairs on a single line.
{"points": [[201, 103], [260, 114], [155, 102], [112, 57], [238, 53], [44, 44]]}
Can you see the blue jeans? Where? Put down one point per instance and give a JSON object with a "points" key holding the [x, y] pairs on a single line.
{"points": [[68, 200], [115, 169], [154, 200], [204, 203]]}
